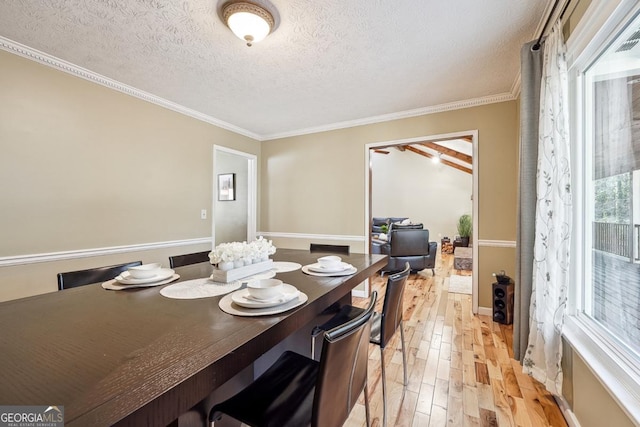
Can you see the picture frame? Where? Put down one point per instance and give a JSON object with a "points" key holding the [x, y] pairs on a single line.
{"points": [[226, 186]]}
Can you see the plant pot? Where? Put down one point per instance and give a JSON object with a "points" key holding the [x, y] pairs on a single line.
{"points": [[465, 242]]}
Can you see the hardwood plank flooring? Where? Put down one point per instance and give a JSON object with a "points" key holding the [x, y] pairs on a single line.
{"points": [[460, 366]]}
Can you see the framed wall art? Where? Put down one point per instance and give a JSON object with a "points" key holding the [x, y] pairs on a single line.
{"points": [[226, 186]]}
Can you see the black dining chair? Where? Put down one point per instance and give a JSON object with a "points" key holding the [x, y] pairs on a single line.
{"points": [[188, 259], [298, 391], [73, 279], [384, 326], [334, 249]]}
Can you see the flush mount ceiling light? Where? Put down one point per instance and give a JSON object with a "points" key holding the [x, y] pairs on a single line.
{"points": [[248, 21], [436, 159]]}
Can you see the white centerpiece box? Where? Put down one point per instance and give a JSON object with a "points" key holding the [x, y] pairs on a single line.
{"points": [[227, 276], [249, 259]]}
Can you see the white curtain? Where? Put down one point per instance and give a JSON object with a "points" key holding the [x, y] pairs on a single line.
{"points": [[553, 221]]}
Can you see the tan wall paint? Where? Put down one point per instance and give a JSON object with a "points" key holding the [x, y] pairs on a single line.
{"points": [[315, 183], [592, 404], [84, 166]]}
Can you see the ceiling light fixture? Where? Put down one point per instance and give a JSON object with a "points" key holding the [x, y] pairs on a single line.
{"points": [[436, 159], [248, 21]]}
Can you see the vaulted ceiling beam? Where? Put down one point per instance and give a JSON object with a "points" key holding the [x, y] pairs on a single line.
{"points": [[443, 161], [448, 151]]}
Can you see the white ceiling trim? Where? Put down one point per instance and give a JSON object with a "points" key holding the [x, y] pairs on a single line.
{"points": [[456, 105], [67, 67]]}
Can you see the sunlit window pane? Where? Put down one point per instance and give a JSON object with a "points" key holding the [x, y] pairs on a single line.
{"points": [[612, 295]]}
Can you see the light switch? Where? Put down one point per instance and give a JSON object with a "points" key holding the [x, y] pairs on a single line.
{"points": [[203, 214]]}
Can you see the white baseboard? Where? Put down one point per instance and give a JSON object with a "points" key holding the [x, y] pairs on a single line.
{"points": [[8, 261], [569, 416], [360, 294], [485, 311]]}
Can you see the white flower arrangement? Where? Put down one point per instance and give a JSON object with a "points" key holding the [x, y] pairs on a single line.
{"points": [[242, 252]]}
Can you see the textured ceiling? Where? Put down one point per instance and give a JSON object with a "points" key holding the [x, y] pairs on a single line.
{"points": [[329, 61]]}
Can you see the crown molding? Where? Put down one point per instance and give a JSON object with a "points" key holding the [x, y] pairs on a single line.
{"points": [[69, 68], [515, 89], [457, 105]]}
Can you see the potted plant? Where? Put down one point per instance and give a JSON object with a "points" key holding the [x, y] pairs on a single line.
{"points": [[465, 226]]}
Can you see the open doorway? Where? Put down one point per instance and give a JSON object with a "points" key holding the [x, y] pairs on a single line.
{"points": [[405, 184], [234, 209]]}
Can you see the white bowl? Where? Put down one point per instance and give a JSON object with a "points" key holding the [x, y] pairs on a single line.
{"points": [[329, 261], [144, 271], [265, 289]]}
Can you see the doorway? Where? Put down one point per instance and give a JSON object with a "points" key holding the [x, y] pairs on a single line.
{"points": [[234, 217], [408, 197]]}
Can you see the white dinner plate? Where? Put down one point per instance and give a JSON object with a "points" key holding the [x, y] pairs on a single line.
{"points": [[227, 305], [347, 272], [243, 298], [113, 285], [318, 268], [125, 278]]}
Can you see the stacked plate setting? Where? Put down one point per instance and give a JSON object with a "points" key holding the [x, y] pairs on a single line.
{"points": [[330, 265], [146, 274], [265, 293]]}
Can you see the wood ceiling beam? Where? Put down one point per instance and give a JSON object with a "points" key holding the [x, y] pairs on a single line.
{"points": [[468, 138], [444, 162], [448, 151]]}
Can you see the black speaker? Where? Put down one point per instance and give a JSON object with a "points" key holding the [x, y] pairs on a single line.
{"points": [[503, 302]]}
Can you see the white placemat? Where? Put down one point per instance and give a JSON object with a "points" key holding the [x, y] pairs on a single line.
{"points": [[198, 288], [264, 275], [113, 284], [285, 266], [227, 305]]}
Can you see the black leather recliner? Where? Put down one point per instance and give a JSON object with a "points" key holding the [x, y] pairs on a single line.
{"points": [[378, 222], [408, 245]]}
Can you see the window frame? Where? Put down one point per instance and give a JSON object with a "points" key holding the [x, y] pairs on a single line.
{"points": [[607, 358]]}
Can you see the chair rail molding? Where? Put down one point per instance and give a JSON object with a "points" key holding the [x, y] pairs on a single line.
{"points": [[8, 261], [497, 243], [345, 238]]}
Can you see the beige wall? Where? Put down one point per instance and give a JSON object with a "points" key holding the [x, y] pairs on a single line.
{"points": [[592, 404], [84, 166], [315, 184]]}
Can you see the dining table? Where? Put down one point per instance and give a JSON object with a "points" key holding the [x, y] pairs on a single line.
{"points": [[135, 357]]}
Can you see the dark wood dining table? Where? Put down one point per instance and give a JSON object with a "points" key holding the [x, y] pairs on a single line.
{"points": [[135, 357]]}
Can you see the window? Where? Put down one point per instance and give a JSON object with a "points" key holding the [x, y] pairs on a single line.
{"points": [[604, 312], [611, 294]]}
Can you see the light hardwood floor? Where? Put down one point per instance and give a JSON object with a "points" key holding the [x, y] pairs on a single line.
{"points": [[461, 371]]}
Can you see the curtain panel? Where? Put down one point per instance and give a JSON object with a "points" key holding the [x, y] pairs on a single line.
{"points": [[552, 221], [531, 75]]}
